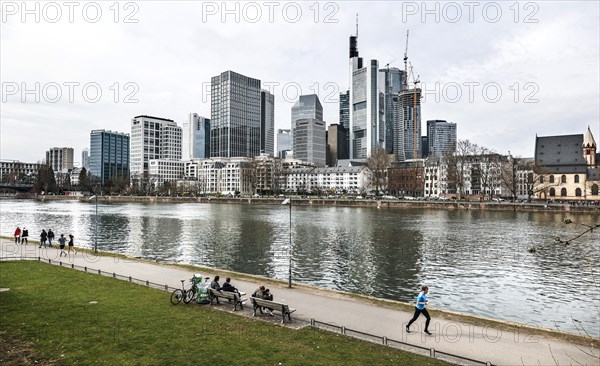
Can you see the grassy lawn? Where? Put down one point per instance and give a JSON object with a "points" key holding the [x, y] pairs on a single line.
{"points": [[54, 315]]}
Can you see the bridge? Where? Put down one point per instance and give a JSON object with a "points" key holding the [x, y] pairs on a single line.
{"points": [[16, 187]]}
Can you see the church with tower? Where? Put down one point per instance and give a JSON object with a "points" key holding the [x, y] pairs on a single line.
{"points": [[566, 168]]}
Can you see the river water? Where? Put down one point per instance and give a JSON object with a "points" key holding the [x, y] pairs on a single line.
{"points": [[473, 261]]}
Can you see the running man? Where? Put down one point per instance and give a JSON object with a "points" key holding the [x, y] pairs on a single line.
{"points": [[420, 309]]}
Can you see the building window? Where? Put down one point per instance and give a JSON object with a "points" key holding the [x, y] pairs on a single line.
{"points": [[552, 192], [563, 192], [541, 179], [576, 178], [551, 179], [594, 189], [578, 192], [563, 179]]}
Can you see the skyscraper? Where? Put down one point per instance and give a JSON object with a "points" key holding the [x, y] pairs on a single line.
{"points": [[267, 122], [394, 83], [235, 129], [196, 137], [109, 155], [441, 137], [153, 138], [410, 115], [309, 140], [367, 105], [85, 158], [336, 142], [343, 151], [307, 106]]}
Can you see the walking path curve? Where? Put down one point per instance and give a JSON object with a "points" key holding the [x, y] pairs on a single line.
{"points": [[498, 344]]}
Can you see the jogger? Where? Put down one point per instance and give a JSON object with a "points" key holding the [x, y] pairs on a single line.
{"points": [[420, 309]]}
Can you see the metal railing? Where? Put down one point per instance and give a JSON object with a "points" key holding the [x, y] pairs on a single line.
{"points": [[388, 342]]}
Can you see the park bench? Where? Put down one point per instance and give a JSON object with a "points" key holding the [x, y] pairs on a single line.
{"points": [[258, 303], [231, 296]]}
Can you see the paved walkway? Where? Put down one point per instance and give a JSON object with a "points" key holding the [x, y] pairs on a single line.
{"points": [[500, 347]]}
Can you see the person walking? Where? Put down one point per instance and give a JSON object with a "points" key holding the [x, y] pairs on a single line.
{"points": [[61, 243], [24, 236], [17, 235], [420, 309], [43, 238], [50, 237], [72, 244]]}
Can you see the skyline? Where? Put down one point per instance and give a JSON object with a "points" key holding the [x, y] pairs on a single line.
{"points": [[168, 68]]}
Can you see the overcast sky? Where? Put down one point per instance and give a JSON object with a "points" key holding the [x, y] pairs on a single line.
{"points": [[503, 71]]}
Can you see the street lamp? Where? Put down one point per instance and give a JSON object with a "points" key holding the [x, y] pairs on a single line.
{"points": [[288, 201], [96, 223]]}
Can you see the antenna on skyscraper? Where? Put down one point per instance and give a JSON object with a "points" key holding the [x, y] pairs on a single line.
{"points": [[356, 25]]}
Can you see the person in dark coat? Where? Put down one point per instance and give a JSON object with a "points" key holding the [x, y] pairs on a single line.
{"points": [[43, 238]]}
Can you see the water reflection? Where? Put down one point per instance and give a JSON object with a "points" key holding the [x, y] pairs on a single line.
{"points": [[473, 261]]}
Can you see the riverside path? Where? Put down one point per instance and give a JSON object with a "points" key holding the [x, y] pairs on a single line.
{"points": [[479, 339]]}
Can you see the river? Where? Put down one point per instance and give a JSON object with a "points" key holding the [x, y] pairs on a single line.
{"points": [[473, 261]]}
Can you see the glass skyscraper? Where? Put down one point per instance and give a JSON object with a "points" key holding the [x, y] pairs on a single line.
{"points": [[109, 155], [196, 137]]}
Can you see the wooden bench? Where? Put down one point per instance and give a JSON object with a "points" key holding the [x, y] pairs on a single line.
{"points": [[232, 296], [258, 303]]}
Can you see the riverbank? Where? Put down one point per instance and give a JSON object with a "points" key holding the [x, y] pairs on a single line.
{"points": [[461, 334], [341, 202]]}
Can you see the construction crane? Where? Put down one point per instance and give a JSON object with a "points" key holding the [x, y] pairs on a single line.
{"points": [[406, 61], [415, 81]]}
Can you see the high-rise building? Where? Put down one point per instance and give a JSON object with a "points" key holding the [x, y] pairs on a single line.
{"points": [[394, 83], [441, 137], [309, 141], [267, 122], [196, 138], [235, 128], [109, 155], [153, 138], [60, 159], [336, 142], [343, 151], [367, 105], [410, 115], [85, 158], [284, 143], [307, 107]]}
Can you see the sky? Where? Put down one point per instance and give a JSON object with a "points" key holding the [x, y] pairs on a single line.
{"points": [[503, 71]]}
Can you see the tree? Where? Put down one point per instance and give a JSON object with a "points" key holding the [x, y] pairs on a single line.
{"points": [[84, 180], [45, 181], [457, 164], [378, 163]]}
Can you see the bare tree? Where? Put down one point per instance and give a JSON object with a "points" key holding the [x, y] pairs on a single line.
{"points": [[457, 165], [378, 163]]}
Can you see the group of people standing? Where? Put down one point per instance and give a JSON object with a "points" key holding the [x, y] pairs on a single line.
{"points": [[21, 237]]}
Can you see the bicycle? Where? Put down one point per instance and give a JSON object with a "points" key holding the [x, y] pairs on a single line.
{"points": [[181, 294]]}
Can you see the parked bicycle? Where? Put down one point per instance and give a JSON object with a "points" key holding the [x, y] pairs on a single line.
{"points": [[187, 295]]}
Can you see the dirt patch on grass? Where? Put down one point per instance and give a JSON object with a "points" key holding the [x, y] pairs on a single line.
{"points": [[17, 352]]}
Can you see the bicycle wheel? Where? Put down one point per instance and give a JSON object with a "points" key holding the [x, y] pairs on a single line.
{"points": [[177, 296], [189, 296]]}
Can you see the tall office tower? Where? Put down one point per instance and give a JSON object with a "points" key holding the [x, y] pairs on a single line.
{"points": [[336, 142], [267, 122], [60, 159], [85, 158], [109, 155], [153, 138], [307, 106], [284, 143], [394, 83], [424, 146], [309, 140], [196, 138], [410, 115], [367, 105], [343, 152], [441, 137], [235, 116], [398, 141]]}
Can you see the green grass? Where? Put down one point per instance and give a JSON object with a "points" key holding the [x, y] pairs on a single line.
{"points": [[48, 309]]}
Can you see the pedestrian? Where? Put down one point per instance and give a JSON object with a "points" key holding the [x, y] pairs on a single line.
{"points": [[43, 238], [420, 309], [215, 286], [72, 244], [17, 235], [50, 237], [61, 243], [24, 236]]}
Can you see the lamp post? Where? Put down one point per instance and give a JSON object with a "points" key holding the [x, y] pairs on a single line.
{"points": [[288, 201], [96, 221]]}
